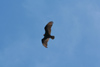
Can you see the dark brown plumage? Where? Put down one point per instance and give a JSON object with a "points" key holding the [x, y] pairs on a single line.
{"points": [[47, 34]]}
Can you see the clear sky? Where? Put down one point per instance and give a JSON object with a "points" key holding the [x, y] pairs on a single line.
{"points": [[76, 29]]}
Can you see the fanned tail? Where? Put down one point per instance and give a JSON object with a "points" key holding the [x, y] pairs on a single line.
{"points": [[52, 37]]}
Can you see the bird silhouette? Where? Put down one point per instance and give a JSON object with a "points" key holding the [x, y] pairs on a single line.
{"points": [[47, 34]]}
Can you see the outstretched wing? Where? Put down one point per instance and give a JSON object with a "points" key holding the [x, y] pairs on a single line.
{"points": [[48, 28], [45, 41]]}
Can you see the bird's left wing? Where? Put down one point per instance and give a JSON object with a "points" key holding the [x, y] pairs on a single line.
{"points": [[45, 41], [48, 27]]}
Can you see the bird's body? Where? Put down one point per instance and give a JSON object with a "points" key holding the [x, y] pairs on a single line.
{"points": [[47, 34]]}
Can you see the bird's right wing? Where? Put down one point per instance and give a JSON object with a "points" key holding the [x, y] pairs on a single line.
{"points": [[45, 41], [48, 28]]}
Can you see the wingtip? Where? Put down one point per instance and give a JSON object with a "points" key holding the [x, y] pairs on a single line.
{"points": [[45, 46], [51, 22]]}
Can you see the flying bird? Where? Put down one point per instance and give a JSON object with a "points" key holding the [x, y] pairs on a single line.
{"points": [[47, 34]]}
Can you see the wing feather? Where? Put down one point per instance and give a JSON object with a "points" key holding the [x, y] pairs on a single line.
{"points": [[45, 41], [48, 28]]}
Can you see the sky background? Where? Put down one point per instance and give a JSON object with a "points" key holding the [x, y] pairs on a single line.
{"points": [[76, 29]]}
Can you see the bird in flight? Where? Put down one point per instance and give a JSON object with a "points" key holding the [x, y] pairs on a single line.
{"points": [[47, 34]]}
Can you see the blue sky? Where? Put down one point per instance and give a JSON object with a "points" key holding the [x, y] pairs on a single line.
{"points": [[76, 28]]}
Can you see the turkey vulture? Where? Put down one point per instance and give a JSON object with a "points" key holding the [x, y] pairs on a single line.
{"points": [[47, 34]]}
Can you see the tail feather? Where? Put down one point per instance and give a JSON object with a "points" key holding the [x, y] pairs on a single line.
{"points": [[52, 37]]}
